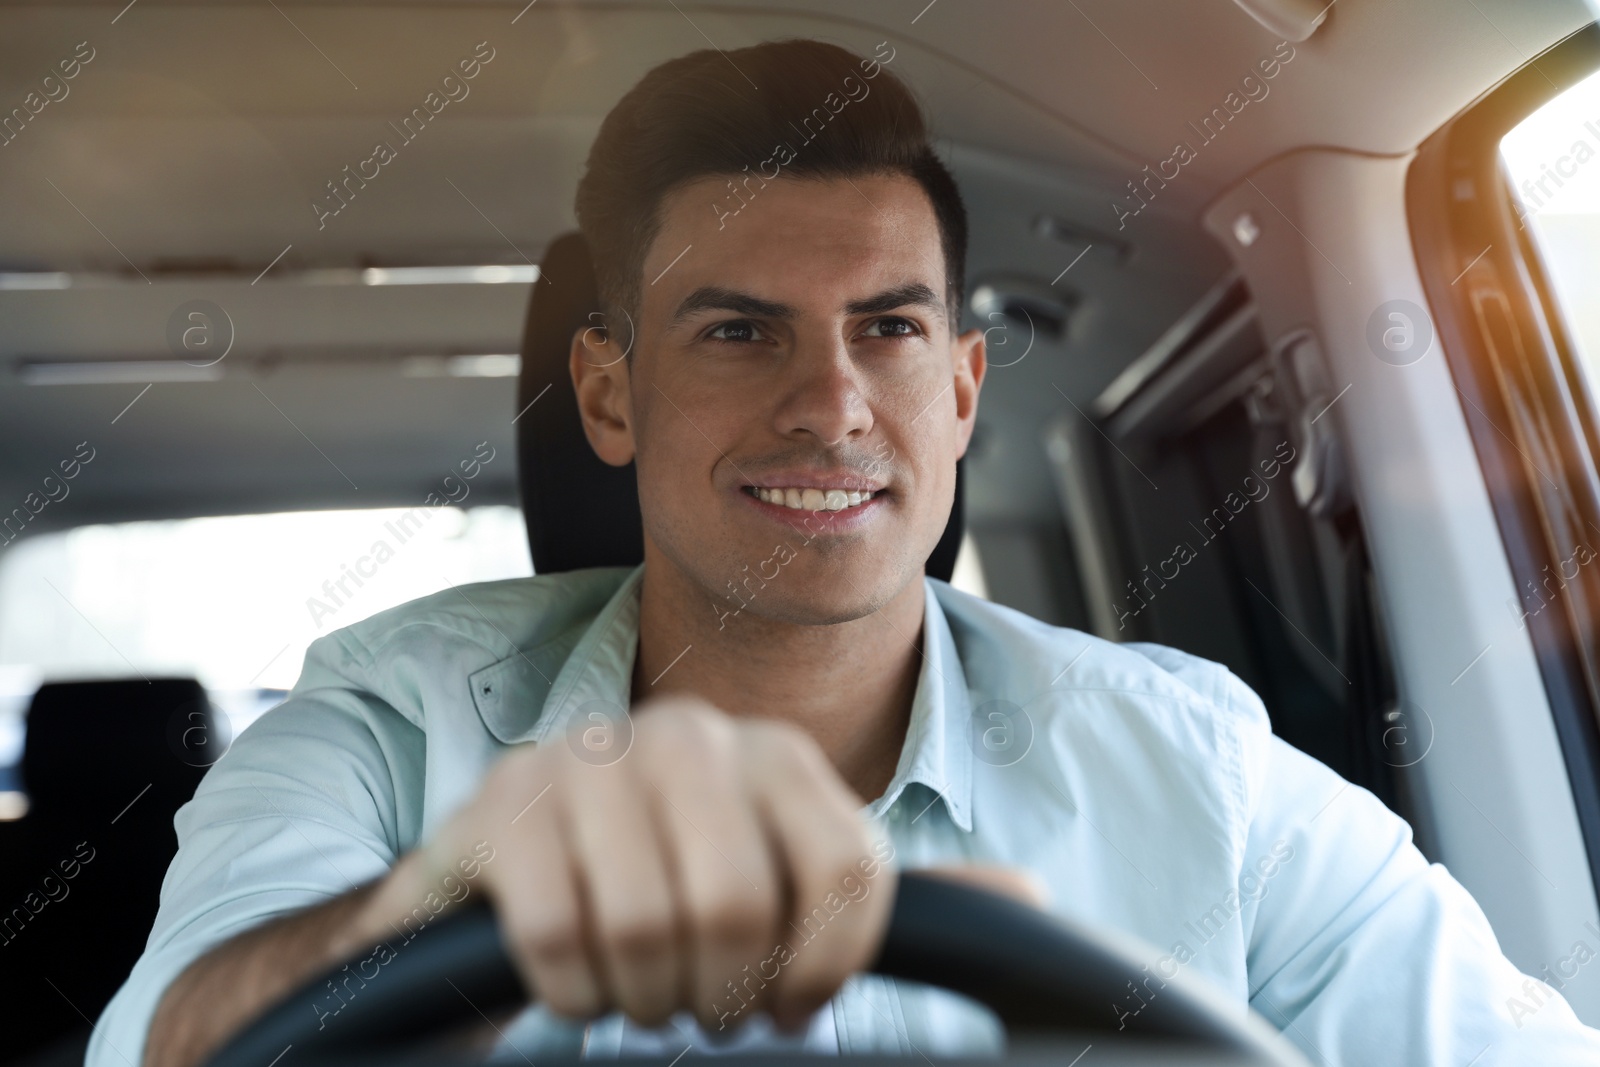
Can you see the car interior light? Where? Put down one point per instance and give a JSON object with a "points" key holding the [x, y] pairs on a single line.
{"points": [[494, 365], [492, 274], [37, 279], [113, 372]]}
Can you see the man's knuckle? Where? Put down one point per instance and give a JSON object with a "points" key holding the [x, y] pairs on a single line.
{"points": [[734, 916], [687, 731], [780, 735], [546, 942], [780, 754], [639, 938], [710, 730], [840, 864]]}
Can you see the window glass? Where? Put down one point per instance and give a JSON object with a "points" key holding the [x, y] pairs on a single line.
{"points": [[231, 601], [1553, 161]]}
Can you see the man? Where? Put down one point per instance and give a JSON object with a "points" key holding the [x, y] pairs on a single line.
{"points": [[783, 259]]}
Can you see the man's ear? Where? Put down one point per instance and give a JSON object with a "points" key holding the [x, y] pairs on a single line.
{"points": [[601, 378], [971, 361]]}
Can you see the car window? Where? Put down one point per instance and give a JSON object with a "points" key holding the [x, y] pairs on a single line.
{"points": [[1552, 160], [231, 601]]}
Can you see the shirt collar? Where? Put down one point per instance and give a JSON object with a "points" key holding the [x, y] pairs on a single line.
{"points": [[598, 676], [597, 679], [938, 750]]}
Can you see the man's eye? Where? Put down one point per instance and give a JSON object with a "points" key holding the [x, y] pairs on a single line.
{"points": [[739, 331], [891, 327]]}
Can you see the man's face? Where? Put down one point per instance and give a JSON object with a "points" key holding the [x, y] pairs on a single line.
{"points": [[796, 402]]}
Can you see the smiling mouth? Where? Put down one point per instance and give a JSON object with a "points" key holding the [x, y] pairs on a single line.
{"points": [[814, 499]]}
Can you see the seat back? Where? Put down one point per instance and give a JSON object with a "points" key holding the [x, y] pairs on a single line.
{"points": [[580, 511], [106, 765]]}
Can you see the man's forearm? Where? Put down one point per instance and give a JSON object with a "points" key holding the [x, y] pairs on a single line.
{"points": [[235, 981]]}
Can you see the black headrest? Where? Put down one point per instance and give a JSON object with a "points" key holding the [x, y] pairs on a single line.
{"points": [[580, 511], [89, 744]]}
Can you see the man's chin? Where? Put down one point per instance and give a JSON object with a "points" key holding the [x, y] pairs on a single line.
{"points": [[818, 591], [829, 610], [825, 582]]}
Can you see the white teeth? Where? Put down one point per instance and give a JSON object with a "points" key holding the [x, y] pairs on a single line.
{"points": [[815, 499]]}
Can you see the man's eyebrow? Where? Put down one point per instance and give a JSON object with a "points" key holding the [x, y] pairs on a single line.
{"points": [[713, 297], [914, 294]]}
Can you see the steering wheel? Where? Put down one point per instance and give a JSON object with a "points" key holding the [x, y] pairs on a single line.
{"points": [[1043, 976]]}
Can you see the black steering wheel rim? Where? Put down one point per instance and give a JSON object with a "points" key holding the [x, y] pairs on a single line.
{"points": [[1038, 973]]}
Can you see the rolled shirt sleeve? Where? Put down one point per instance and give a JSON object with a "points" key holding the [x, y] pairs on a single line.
{"points": [[1363, 952], [301, 809]]}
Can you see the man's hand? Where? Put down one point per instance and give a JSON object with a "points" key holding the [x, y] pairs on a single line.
{"points": [[667, 879]]}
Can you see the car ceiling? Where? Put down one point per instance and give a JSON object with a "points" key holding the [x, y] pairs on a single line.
{"points": [[184, 160]]}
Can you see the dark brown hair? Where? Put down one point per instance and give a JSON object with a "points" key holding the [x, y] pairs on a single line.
{"points": [[801, 108]]}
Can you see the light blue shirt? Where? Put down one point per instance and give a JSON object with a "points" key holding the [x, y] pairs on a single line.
{"points": [[1141, 785]]}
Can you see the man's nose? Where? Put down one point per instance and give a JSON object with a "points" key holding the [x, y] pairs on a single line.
{"points": [[823, 394]]}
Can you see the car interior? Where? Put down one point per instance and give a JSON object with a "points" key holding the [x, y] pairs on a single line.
{"points": [[1291, 320]]}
